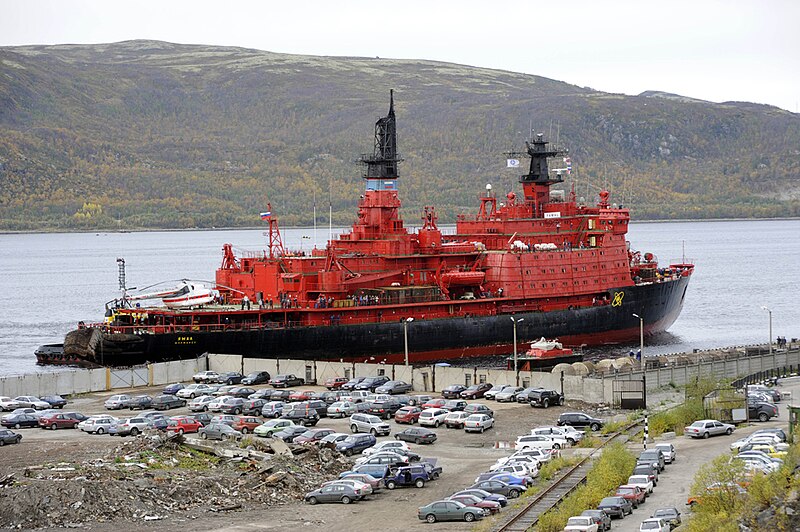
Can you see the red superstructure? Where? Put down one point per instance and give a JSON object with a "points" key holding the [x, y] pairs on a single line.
{"points": [[562, 265]]}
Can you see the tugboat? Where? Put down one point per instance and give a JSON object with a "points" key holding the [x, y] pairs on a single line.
{"points": [[560, 268]]}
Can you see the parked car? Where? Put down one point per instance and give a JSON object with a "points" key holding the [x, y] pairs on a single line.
{"points": [[449, 510], [507, 394], [7, 404], [273, 409], [218, 402], [642, 481], [488, 507], [59, 421], [476, 391], [455, 420], [453, 391], [669, 452], [355, 443], [140, 402], [335, 383], [242, 392], [385, 409], [455, 405], [655, 525], [416, 435], [433, 403], [407, 414], [760, 410], [708, 427], [235, 406], [31, 401], [271, 427], [307, 417], [774, 394], [204, 418], [312, 435], [634, 494], [117, 402], [253, 407], [286, 380], [522, 397], [230, 378], [647, 470], [205, 376], [582, 523], [515, 479], [371, 383], [183, 424], [172, 389], [478, 423], [246, 424], [478, 408], [389, 459], [498, 486], [55, 401], [289, 433], [579, 419], [566, 433], [414, 475], [616, 506], [418, 399], [341, 409], [301, 395], [386, 445], [332, 440], [545, 398], [19, 421], [351, 384], [195, 390], [394, 387], [9, 436], [219, 431], [167, 402], [369, 423], [264, 393], [334, 493], [483, 494], [432, 417], [494, 390], [654, 457], [600, 518], [536, 442], [257, 377], [97, 425], [671, 515]]}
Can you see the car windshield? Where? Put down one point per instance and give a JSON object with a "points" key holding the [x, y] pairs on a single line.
{"points": [[698, 424], [580, 521], [665, 513], [650, 525], [609, 501]]}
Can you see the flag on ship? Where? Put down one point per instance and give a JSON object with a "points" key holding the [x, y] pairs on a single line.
{"points": [[569, 164], [512, 163], [266, 215]]}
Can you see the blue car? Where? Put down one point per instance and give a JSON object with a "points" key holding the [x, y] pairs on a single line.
{"points": [[378, 471], [172, 389], [514, 480]]}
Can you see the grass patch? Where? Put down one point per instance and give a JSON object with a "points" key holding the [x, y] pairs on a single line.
{"points": [[611, 469]]}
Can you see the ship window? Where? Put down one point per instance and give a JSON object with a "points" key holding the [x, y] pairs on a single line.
{"points": [[563, 270], [544, 285], [544, 271]]}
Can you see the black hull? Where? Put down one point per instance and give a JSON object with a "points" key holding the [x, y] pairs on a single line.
{"points": [[439, 339]]}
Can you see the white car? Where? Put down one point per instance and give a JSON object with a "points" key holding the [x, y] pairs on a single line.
{"points": [[7, 404], [358, 396], [581, 523], [536, 442], [432, 417], [508, 394], [557, 437], [218, 402], [117, 402], [30, 401], [205, 376], [478, 423], [386, 457], [195, 390], [388, 445], [541, 455], [530, 469], [654, 524], [494, 390], [669, 452], [771, 439], [353, 483], [97, 425], [342, 409], [568, 432], [528, 461], [642, 481], [200, 404]]}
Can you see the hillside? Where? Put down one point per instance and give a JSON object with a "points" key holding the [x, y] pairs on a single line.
{"points": [[152, 134]]}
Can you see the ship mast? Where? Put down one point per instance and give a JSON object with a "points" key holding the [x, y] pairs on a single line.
{"points": [[536, 183]]}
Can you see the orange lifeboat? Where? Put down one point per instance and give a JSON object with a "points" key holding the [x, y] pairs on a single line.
{"points": [[463, 278]]}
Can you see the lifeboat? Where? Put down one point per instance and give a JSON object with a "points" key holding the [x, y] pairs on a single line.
{"points": [[463, 278]]}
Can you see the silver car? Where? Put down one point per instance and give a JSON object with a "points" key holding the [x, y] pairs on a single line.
{"points": [[341, 409], [116, 402], [708, 427]]}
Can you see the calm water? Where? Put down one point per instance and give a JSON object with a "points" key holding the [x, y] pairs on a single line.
{"points": [[48, 282]]}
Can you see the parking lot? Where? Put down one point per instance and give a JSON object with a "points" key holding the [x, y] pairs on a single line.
{"points": [[462, 456]]}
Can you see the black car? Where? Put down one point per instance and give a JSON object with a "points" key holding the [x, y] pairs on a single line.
{"points": [[258, 377], [416, 435], [264, 393], [242, 392], [307, 417], [453, 391], [616, 506], [56, 401], [385, 409], [370, 383], [600, 518], [351, 384], [476, 391], [231, 377], [477, 408], [20, 420], [289, 433], [455, 405], [280, 395], [9, 436], [253, 407], [760, 410], [172, 389], [166, 402], [204, 418], [286, 381], [140, 402], [545, 398], [579, 419]]}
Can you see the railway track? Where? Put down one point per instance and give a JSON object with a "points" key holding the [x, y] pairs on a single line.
{"points": [[560, 488]]}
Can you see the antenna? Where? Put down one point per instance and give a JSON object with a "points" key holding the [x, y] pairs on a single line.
{"points": [[330, 209], [315, 216]]}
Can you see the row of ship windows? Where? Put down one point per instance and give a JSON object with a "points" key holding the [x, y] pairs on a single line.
{"points": [[575, 283], [583, 268]]}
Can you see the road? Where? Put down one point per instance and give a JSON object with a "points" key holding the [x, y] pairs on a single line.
{"points": [[676, 480]]}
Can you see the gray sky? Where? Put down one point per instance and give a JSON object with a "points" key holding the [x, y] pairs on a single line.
{"points": [[713, 50]]}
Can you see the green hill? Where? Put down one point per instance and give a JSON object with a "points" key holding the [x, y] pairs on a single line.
{"points": [[152, 134]]}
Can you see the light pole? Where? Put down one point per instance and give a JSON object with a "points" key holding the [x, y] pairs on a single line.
{"points": [[770, 327], [516, 371], [641, 337], [405, 335]]}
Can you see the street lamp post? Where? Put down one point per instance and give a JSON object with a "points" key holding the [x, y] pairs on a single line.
{"points": [[770, 327], [641, 337], [405, 335], [516, 370]]}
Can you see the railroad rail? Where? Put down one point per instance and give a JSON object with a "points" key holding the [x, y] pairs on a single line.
{"points": [[563, 486]]}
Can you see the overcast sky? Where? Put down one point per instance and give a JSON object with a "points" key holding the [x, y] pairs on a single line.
{"points": [[714, 50]]}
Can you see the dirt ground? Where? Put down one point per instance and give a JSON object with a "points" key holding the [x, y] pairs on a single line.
{"points": [[463, 456]]}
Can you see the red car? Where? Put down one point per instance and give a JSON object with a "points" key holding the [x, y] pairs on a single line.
{"points": [[635, 494], [305, 395], [407, 414], [474, 500], [434, 403], [245, 424], [59, 421], [182, 424], [312, 435], [335, 383]]}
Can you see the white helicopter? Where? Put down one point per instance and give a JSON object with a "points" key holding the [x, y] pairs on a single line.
{"points": [[188, 294]]}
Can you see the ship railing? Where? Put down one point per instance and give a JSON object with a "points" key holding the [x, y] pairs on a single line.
{"points": [[188, 328]]}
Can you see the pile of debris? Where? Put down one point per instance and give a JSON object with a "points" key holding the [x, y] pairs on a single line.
{"points": [[151, 477]]}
